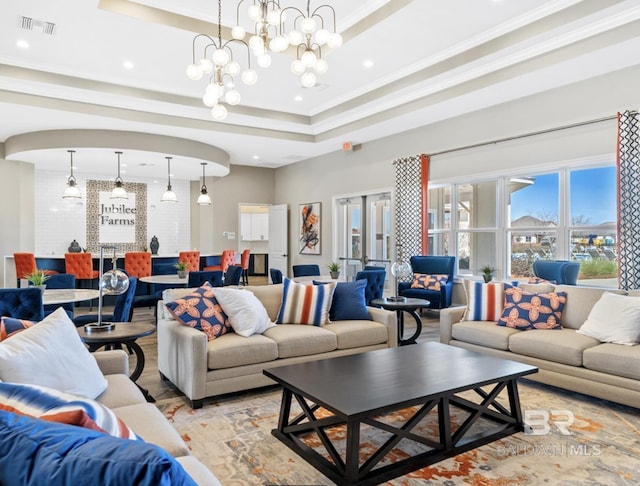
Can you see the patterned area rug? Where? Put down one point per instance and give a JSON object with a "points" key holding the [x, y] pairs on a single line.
{"points": [[575, 440]]}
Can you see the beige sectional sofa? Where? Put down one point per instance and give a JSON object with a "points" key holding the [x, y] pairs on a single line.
{"points": [[124, 398], [230, 363], [565, 358]]}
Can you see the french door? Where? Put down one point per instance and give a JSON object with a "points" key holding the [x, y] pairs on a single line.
{"points": [[363, 232]]}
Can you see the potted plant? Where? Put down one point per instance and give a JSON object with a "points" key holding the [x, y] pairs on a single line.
{"points": [[182, 268], [487, 273], [37, 278], [334, 269]]}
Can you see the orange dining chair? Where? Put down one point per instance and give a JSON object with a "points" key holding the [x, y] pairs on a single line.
{"points": [[137, 263], [80, 265], [192, 258], [228, 258], [244, 263], [26, 264]]}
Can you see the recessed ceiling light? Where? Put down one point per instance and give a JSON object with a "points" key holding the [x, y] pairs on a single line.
{"points": [[256, 157], [368, 63], [22, 44], [298, 98], [128, 65]]}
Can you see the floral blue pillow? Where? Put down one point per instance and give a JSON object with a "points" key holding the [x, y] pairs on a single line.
{"points": [[201, 310], [529, 310]]}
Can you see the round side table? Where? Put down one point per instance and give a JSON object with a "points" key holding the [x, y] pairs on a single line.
{"points": [[408, 305]]}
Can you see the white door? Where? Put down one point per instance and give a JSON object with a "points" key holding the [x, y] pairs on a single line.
{"points": [[278, 238]]}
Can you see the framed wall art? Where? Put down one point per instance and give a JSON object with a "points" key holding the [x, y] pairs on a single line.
{"points": [[310, 217]]}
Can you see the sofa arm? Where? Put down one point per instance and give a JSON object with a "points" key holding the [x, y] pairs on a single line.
{"points": [[389, 319], [182, 357], [448, 317], [112, 362]]}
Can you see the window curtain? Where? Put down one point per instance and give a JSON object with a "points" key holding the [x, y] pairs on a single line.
{"points": [[628, 160], [411, 227]]}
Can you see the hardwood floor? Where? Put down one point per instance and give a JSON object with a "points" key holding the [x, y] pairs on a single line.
{"points": [[161, 390]]}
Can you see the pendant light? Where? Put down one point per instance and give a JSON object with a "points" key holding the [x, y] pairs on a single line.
{"points": [[119, 191], [72, 191], [204, 199], [169, 195]]}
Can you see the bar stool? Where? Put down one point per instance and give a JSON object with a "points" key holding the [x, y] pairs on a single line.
{"points": [[26, 264], [244, 263], [80, 265], [137, 263], [228, 258], [192, 258]]}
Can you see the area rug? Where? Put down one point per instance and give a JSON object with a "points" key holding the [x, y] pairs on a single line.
{"points": [[573, 440]]}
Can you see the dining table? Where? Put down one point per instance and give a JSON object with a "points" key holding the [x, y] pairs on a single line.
{"points": [[169, 279], [66, 296]]}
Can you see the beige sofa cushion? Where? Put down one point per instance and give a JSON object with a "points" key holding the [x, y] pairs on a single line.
{"points": [[149, 423], [301, 340], [354, 334], [483, 333], [231, 350], [120, 391], [270, 296], [616, 359], [580, 300], [198, 471], [560, 345]]}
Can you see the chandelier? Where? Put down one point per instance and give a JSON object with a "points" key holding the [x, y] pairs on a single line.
{"points": [[277, 28], [223, 70]]}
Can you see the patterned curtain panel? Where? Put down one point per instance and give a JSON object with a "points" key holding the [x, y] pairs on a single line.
{"points": [[408, 210], [629, 199]]}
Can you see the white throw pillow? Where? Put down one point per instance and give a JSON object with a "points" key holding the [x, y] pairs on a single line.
{"points": [[246, 313], [614, 319], [52, 354]]}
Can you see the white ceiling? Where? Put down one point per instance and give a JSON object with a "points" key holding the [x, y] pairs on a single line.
{"points": [[432, 60]]}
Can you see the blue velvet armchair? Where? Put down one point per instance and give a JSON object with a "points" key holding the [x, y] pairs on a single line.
{"points": [[375, 283], [562, 272], [23, 303], [431, 265]]}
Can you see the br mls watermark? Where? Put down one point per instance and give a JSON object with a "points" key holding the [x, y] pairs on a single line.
{"points": [[549, 422]]}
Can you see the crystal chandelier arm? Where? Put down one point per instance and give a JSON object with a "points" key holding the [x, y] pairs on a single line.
{"points": [[211, 42], [333, 13]]}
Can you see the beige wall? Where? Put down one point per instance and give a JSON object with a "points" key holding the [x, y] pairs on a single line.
{"points": [[16, 210]]}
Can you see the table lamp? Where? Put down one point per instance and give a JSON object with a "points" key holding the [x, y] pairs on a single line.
{"points": [[113, 282], [399, 269]]}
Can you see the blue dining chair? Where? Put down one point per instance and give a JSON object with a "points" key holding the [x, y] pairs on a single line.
{"points": [[61, 281], [306, 270], [276, 275], [233, 275], [196, 279], [122, 311], [375, 283], [25, 303]]}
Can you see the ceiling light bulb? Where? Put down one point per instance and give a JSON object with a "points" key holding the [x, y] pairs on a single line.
{"points": [[249, 77], [169, 196], [297, 67], [204, 199], [273, 17], [233, 68], [322, 36], [254, 12], [219, 112], [220, 57], [232, 97], [279, 43], [194, 72], [22, 44], [334, 41], [321, 66], [214, 89], [308, 79], [308, 59], [209, 100], [256, 45], [71, 191], [264, 60], [295, 38], [205, 65], [308, 25], [238, 32]]}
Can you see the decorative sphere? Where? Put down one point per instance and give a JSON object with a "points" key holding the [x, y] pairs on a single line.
{"points": [[400, 269], [334, 41], [214, 89], [249, 77], [264, 60], [219, 112], [308, 25], [321, 66], [273, 17], [233, 68], [308, 59], [232, 97], [220, 57], [279, 43], [205, 65], [297, 67], [256, 45], [238, 32], [308, 79], [114, 282], [254, 12], [322, 36], [194, 72], [295, 38]]}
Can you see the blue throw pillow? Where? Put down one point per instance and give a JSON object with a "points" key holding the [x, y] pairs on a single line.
{"points": [[349, 303], [35, 452]]}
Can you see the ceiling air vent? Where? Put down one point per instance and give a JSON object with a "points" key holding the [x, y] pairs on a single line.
{"points": [[28, 23]]}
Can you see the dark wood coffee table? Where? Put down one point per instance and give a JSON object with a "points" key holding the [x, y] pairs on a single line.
{"points": [[361, 389]]}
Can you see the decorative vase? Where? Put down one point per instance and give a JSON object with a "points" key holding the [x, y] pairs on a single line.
{"points": [[42, 288], [74, 247], [154, 245], [334, 275], [182, 274], [487, 278]]}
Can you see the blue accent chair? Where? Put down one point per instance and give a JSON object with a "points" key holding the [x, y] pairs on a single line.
{"points": [[197, 279], [61, 281], [375, 283], [23, 303], [122, 311], [562, 272], [306, 270], [276, 275], [431, 265], [233, 275]]}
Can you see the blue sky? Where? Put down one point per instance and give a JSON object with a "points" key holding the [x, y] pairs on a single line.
{"points": [[592, 195]]}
